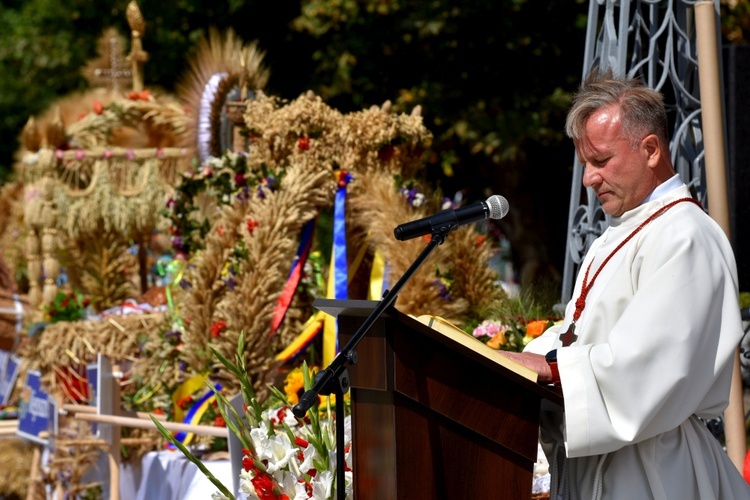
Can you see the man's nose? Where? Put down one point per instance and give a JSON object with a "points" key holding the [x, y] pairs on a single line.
{"points": [[591, 177]]}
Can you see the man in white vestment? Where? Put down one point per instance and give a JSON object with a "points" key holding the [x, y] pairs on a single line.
{"points": [[655, 316]]}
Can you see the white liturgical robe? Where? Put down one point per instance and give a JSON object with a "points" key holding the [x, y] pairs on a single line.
{"points": [[655, 346]]}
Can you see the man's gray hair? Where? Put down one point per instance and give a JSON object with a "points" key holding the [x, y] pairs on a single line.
{"points": [[642, 107]]}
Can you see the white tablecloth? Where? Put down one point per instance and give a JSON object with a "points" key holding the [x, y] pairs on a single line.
{"points": [[167, 475]]}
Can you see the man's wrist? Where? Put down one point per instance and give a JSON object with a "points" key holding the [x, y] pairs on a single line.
{"points": [[551, 358]]}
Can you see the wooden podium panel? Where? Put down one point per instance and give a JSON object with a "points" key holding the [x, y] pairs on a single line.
{"points": [[433, 418]]}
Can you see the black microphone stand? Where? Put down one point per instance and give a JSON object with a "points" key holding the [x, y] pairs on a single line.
{"points": [[335, 378]]}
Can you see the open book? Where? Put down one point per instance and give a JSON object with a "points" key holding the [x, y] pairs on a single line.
{"points": [[456, 334]]}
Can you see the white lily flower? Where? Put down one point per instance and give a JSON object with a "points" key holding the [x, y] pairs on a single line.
{"points": [[300, 492], [349, 478], [232, 157], [309, 454], [322, 485], [290, 420], [272, 415], [277, 450], [213, 161], [259, 434], [287, 482]]}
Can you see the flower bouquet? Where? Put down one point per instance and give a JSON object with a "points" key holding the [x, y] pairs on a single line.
{"points": [[66, 306], [285, 458], [510, 334]]}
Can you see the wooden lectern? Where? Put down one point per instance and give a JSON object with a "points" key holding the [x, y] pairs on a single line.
{"points": [[435, 416]]}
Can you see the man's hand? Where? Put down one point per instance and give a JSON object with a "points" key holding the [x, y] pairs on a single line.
{"points": [[535, 362]]}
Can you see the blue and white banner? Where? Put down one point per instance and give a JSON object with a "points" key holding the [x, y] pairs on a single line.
{"points": [[37, 411], [8, 380]]}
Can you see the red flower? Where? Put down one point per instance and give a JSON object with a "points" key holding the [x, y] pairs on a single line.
{"points": [[281, 413], [143, 95], [264, 487], [308, 487], [98, 107], [347, 449], [185, 402], [303, 143], [301, 442], [158, 411], [217, 328], [251, 225], [480, 240], [219, 422]]}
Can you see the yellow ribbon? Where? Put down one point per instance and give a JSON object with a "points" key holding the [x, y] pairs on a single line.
{"points": [[330, 331], [377, 275], [309, 329]]}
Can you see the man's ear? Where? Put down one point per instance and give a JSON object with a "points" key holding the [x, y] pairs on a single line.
{"points": [[651, 147]]}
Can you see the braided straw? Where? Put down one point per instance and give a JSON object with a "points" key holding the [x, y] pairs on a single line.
{"points": [[135, 18]]}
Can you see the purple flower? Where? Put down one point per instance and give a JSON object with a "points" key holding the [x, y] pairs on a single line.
{"points": [[178, 243], [244, 194], [184, 284], [80, 154], [173, 335], [442, 290], [130, 154]]}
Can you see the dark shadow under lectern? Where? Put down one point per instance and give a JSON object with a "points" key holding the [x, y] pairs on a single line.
{"points": [[433, 418]]}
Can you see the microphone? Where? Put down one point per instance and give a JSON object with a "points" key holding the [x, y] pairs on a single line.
{"points": [[496, 207]]}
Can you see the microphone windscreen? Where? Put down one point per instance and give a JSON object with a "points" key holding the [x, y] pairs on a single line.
{"points": [[498, 206]]}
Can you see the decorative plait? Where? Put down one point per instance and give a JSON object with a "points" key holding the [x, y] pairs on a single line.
{"points": [[137, 56]]}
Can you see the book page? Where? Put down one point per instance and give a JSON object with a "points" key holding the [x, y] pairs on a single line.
{"points": [[456, 334]]}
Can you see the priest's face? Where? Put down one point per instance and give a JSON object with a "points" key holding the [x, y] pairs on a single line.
{"points": [[618, 173]]}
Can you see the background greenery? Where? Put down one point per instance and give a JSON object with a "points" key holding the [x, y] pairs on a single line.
{"points": [[493, 78]]}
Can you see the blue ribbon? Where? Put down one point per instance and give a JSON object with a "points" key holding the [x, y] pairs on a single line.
{"points": [[341, 268], [190, 415]]}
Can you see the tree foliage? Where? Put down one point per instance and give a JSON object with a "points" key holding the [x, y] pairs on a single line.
{"points": [[493, 77]]}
